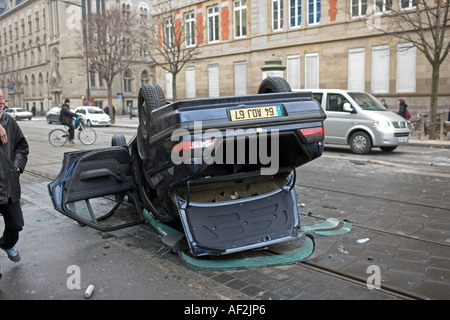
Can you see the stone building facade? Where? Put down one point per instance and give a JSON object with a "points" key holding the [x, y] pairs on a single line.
{"points": [[322, 43], [42, 62]]}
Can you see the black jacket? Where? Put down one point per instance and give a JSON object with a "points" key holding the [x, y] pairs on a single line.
{"points": [[14, 152], [65, 115], [402, 110]]}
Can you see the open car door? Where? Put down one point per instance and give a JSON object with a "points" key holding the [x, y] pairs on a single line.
{"points": [[97, 188]]}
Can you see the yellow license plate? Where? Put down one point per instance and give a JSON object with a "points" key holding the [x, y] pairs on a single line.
{"points": [[255, 113]]}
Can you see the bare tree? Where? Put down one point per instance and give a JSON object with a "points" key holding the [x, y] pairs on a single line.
{"points": [[109, 37], [174, 39], [425, 24]]}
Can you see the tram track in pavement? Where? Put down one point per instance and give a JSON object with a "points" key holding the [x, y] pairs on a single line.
{"points": [[388, 291]]}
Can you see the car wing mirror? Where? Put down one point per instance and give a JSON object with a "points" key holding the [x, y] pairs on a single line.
{"points": [[348, 108]]}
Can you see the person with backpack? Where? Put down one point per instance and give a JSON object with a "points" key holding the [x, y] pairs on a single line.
{"points": [[403, 111]]}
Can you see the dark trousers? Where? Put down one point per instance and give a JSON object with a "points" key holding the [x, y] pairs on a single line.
{"points": [[71, 131], [13, 217]]}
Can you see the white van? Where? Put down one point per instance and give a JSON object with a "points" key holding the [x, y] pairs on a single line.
{"points": [[359, 120]]}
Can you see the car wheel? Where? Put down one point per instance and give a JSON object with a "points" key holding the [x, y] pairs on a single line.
{"points": [[49, 121], [88, 123], [150, 97], [360, 143], [274, 85]]}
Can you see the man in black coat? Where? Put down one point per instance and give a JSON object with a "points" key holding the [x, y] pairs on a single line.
{"points": [[66, 117], [13, 158]]}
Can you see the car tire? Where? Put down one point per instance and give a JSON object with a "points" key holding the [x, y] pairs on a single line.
{"points": [[118, 140], [49, 121], [150, 97], [360, 143], [274, 85], [88, 123]]}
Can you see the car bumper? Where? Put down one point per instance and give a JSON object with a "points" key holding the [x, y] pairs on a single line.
{"points": [[385, 139]]}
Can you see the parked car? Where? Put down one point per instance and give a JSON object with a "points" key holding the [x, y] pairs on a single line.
{"points": [[134, 112], [93, 116], [193, 164], [359, 120], [18, 113], [53, 115]]}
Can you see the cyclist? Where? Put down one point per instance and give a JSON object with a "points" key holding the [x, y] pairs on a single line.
{"points": [[66, 116]]}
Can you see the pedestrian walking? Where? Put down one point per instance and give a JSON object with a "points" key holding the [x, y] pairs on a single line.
{"points": [[402, 110], [13, 158]]}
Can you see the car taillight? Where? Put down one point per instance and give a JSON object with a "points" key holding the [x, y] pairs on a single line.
{"points": [[314, 134], [191, 145]]}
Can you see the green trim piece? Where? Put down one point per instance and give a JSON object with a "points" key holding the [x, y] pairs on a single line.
{"points": [[327, 224], [347, 226], [280, 259], [160, 227]]}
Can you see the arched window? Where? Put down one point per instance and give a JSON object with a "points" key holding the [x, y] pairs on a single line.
{"points": [[33, 85], [144, 77]]}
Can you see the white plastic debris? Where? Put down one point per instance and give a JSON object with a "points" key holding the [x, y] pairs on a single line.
{"points": [[89, 291]]}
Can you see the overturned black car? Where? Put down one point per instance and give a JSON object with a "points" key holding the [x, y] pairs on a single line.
{"points": [[223, 167]]}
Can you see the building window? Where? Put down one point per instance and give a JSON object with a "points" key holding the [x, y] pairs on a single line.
{"points": [[36, 17], [356, 73], [189, 19], [380, 69], [190, 83], [277, 15], [22, 26], [144, 77], [406, 67], [168, 33], [127, 81], [169, 89], [293, 71], [312, 71], [295, 13], [383, 5], [313, 11], [408, 4], [213, 81], [213, 24], [30, 27], [240, 78], [240, 18], [358, 8], [100, 81]]}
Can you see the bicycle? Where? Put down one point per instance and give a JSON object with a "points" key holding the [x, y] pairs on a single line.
{"points": [[59, 137]]}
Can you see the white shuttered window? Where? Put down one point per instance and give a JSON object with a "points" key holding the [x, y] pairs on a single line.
{"points": [[190, 83], [213, 81], [380, 69], [240, 78], [356, 69], [406, 67], [293, 71], [312, 71]]}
